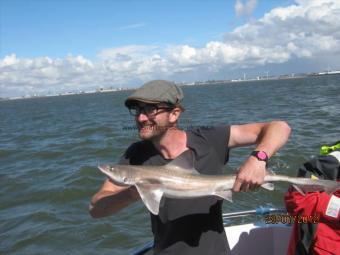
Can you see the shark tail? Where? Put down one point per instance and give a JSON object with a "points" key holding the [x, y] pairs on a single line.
{"points": [[332, 187]]}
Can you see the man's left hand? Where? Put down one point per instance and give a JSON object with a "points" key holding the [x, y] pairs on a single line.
{"points": [[250, 175]]}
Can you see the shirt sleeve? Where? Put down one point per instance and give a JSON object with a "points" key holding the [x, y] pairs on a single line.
{"points": [[218, 137], [125, 159], [138, 153]]}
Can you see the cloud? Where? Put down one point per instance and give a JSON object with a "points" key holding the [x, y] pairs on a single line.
{"points": [[307, 32], [43, 74], [132, 26], [307, 29], [127, 50], [246, 8]]}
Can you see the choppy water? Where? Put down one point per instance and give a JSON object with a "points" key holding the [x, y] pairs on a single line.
{"points": [[50, 147]]}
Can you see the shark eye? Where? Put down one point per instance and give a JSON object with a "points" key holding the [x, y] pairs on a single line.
{"points": [[125, 179]]}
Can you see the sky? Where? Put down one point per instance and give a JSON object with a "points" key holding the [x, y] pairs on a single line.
{"points": [[54, 46]]}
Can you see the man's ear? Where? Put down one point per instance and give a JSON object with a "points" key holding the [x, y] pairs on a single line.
{"points": [[174, 115]]}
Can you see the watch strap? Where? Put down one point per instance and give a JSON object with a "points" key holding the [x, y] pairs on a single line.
{"points": [[260, 155]]}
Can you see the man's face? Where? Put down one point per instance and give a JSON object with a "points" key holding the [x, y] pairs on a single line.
{"points": [[152, 120]]}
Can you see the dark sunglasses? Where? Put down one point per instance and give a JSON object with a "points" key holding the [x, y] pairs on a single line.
{"points": [[149, 110]]}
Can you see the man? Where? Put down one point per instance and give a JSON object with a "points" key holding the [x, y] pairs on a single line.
{"points": [[190, 226], [316, 229]]}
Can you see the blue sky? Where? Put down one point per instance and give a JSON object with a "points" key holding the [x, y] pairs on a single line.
{"points": [[49, 46], [56, 28]]}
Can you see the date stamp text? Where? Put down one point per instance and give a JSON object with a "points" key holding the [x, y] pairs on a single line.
{"points": [[289, 219]]}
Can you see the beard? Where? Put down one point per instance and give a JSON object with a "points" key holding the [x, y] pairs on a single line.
{"points": [[152, 130]]}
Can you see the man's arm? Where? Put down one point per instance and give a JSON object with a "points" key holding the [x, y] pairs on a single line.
{"points": [[111, 198], [268, 137]]}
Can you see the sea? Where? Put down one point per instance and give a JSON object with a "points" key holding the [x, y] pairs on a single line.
{"points": [[50, 149]]}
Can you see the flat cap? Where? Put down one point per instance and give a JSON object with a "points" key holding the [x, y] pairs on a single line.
{"points": [[157, 91]]}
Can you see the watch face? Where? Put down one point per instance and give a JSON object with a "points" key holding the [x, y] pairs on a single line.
{"points": [[262, 155]]}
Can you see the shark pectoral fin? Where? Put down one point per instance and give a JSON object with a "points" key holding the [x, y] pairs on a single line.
{"points": [[299, 189], [151, 195], [268, 186], [225, 194]]}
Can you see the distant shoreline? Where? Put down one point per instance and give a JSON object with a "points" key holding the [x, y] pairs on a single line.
{"points": [[262, 78], [196, 83]]}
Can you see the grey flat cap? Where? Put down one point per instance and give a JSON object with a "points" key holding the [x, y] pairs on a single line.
{"points": [[157, 91]]}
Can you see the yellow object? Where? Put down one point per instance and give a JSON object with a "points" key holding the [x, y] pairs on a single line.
{"points": [[325, 149], [313, 177]]}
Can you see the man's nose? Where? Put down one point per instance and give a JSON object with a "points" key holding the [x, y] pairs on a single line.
{"points": [[142, 117]]}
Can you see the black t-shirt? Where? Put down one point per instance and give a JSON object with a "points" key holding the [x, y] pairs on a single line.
{"points": [[189, 226]]}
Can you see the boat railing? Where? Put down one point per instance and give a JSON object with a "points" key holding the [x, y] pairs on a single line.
{"points": [[260, 211]]}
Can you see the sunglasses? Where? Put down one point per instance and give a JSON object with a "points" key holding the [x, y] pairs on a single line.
{"points": [[149, 110]]}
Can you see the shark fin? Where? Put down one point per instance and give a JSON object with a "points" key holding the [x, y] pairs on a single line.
{"points": [[332, 186], [268, 186], [151, 195], [225, 194], [184, 163]]}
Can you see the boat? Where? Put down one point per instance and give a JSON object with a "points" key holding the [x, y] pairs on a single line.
{"points": [[268, 237], [258, 238]]}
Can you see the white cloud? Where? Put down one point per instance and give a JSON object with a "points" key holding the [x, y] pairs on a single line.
{"points": [[123, 52], [312, 27], [308, 30], [132, 26], [305, 30], [40, 74], [246, 8]]}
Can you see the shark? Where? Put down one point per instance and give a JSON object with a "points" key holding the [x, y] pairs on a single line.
{"points": [[179, 179]]}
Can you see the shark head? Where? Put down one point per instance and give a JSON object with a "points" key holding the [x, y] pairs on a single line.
{"points": [[117, 173]]}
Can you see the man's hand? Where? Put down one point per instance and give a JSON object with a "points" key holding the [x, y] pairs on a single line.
{"points": [[250, 175], [111, 198], [268, 137]]}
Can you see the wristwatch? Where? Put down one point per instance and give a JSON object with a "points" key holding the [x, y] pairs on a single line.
{"points": [[260, 155]]}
